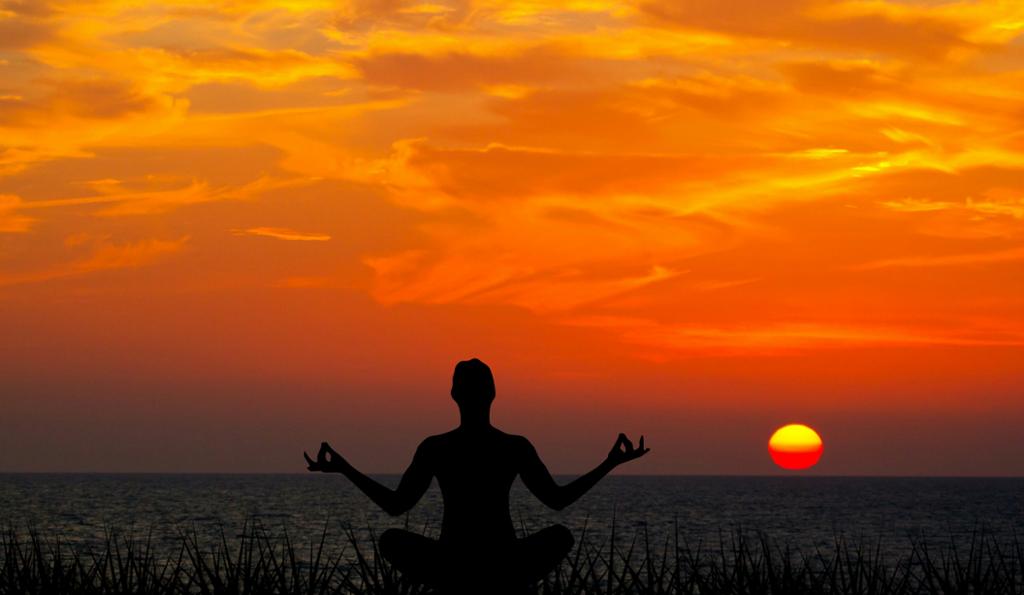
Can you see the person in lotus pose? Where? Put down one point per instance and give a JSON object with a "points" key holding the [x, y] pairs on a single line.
{"points": [[475, 465]]}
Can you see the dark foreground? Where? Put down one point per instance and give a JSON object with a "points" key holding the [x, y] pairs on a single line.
{"points": [[257, 561]]}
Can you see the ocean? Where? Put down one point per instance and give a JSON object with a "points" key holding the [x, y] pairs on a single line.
{"points": [[803, 513]]}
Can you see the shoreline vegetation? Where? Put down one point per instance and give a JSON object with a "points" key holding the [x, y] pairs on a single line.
{"points": [[347, 562]]}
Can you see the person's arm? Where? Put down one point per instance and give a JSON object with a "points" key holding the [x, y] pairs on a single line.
{"points": [[538, 479], [413, 485]]}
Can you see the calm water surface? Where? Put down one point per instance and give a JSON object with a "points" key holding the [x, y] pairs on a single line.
{"points": [[805, 512]]}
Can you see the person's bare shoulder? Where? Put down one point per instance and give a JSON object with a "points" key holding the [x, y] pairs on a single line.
{"points": [[438, 439], [520, 444], [431, 444]]}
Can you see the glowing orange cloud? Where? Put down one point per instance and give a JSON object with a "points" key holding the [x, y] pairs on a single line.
{"points": [[282, 233]]}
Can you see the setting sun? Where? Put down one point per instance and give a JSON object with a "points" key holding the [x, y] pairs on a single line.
{"points": [[795, 446]]}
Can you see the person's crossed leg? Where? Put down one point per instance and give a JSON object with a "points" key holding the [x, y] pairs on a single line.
{"points": [[492, 568]]}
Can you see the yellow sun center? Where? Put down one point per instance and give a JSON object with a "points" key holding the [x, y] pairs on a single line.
{"points": [[795, 446]]}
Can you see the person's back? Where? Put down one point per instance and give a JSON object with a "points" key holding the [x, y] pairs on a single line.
{"points": [[475, 465], [475, 470]]}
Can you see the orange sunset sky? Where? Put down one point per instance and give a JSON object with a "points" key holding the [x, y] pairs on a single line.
{"points": [[230, 229]]}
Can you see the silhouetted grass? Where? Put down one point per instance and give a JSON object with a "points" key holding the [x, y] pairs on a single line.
{"points": [[740, 563]]}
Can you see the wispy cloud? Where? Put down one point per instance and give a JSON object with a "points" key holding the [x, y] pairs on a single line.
{"points": [[947, 260], [1012, 206], [125, 201], [282, 233], [787, 337], [105, 256], [10, 221]]}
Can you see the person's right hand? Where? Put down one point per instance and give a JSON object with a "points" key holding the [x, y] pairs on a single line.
{"points": [[623, 451], [327, 460]]}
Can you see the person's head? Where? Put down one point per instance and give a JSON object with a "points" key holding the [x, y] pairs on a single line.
{"points": [[473, 385]]}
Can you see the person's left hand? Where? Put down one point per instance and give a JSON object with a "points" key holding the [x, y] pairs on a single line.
{"points": [[327, 460], [623, 451]]}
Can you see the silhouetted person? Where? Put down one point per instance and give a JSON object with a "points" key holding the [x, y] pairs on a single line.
{"points": [[475, 465]]}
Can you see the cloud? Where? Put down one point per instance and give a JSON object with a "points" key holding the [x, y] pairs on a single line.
{"points": [[909, 188], [256, 65], [106, 256], [247, 97], [946, 260], [101, 99], [418, 277], [917, 205], [723, 97], [153, 203], [503, 172], [997, 213], [125, 201], [460, 71], [1010, 205], [20, 35], [282, 233], [871, 27], [851, 78], [10, 221], [366, 14], [24, 24], [767, 339]]}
